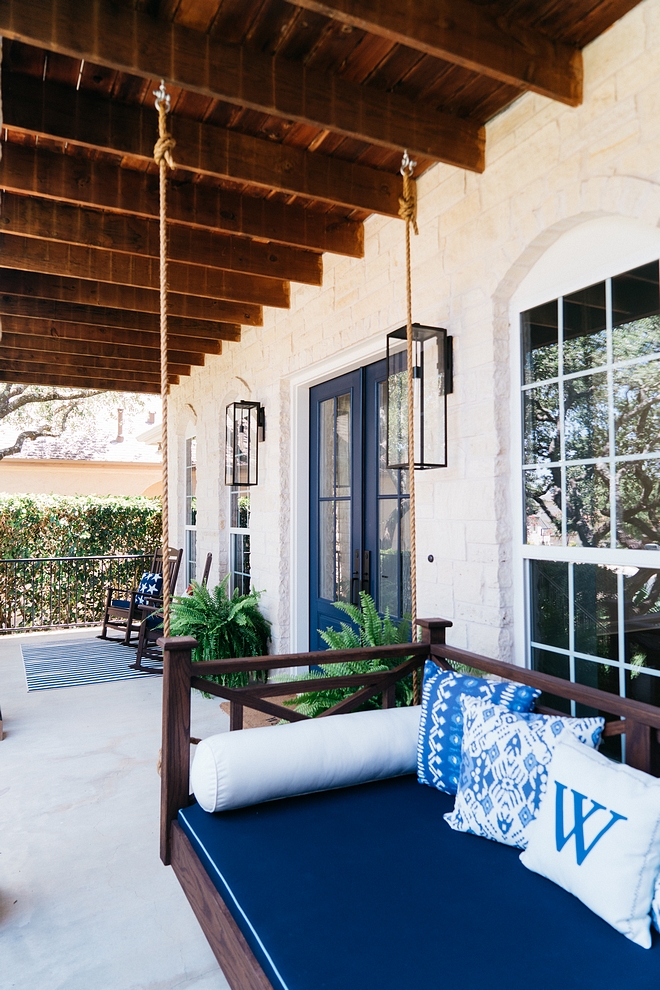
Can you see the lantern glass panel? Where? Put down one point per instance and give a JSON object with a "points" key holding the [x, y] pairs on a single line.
{"points": [[241, 465], [429, 398]]}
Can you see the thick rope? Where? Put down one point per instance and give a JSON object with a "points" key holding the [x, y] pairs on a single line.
{"points": [[163, 158], [408, 212]]}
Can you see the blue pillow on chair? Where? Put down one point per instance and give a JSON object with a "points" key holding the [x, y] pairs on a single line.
{"points": [[441, 720], [150, 585]]}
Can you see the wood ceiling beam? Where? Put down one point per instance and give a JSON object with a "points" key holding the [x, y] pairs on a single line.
{"points": [[88, 292], [34, 377], [73, 261], [115, 367], [47, 219], [467, 34], [133, 42], [32, 343], [79, 371], [101, 316], [92, 183], [138, 339], [50, 109]]}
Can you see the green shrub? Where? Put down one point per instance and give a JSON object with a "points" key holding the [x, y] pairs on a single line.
{"points": [[78, 525], [224, 627], [368, 629]]}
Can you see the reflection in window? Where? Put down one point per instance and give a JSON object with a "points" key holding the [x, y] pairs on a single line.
{"points": [[334, 534], [239, 539], [191, 510], [549, 603], [393, 590], [600, 428]]}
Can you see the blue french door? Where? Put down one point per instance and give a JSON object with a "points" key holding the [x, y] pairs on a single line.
{"points": [[359, 534]]}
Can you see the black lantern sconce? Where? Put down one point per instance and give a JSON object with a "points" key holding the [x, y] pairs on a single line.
{"points": [[432, 381], [245, 430]]}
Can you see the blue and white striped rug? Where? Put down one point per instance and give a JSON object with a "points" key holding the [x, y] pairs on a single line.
{"points": [[84, 661]]}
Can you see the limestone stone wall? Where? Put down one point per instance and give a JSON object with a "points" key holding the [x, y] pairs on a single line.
{"points": [[549, 168]]}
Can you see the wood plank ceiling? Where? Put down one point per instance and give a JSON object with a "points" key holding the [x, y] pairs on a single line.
{"points": [[290, 117]]}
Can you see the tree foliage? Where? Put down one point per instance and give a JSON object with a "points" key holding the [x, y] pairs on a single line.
{"points": [[34, 411], [78, 525]]}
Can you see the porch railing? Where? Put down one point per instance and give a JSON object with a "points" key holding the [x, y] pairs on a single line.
{"points": [[38, 593]]}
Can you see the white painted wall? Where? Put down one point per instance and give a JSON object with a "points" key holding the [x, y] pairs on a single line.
{"points": [[487, 243]]}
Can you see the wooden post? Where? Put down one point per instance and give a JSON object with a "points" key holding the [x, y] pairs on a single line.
{"points": [[175, 754], [389, 696], [638, 745], [235, 716], [433, 630]]}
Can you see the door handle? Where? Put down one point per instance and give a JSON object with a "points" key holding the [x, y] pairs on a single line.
{"points": [[355, 579], [366, 571]]}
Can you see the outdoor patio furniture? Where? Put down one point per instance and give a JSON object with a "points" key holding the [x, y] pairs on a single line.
{"points": [[151, 628], [124, 607], [374, 889]]}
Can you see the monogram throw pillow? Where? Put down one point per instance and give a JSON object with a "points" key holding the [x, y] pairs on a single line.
{"points": [[597, 834], [441, 721], [504, 767]]}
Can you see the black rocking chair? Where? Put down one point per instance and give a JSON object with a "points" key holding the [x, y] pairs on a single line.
{"points": [[122, 610], [151, 629]]}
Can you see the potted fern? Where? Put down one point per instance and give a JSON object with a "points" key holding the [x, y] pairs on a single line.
{"points": [[224, 626], [367, 628]]}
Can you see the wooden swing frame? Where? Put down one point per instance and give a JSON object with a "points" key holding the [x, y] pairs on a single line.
{"points": [[637, 721]]}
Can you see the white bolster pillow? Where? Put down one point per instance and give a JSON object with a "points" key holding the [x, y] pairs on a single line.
{"points": [[235, 769]]}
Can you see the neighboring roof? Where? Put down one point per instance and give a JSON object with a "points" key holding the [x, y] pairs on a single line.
{"points": [[84, 447]]}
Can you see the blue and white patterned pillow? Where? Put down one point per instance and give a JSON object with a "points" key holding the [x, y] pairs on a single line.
{"points": [[441, 720], [150, 584], [504, 767]]}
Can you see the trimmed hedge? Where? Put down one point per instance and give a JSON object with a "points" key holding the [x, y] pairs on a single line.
{"points": [[78, 525]]}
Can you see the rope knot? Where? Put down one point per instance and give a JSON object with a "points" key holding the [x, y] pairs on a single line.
{"points": [[408, 202], [163, 149]]}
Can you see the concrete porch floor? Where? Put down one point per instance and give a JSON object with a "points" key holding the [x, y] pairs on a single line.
{"points": [[85, 903]]}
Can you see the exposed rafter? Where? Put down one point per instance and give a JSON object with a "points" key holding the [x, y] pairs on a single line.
{"points": [[130, 41], [54, 378], [91, 183], [46, 219], [467, 34], [102, 316], [52, 110], [89, 292], [139, 339], [83, 363], [53, 257], [33, 344]]}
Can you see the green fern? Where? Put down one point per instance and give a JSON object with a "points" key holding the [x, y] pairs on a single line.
{"points": [[368, 629], [224, 627]]}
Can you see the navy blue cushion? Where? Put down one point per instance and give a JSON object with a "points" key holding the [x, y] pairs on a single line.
{"points": [[154, 622], [118, 603], [368, 887]]}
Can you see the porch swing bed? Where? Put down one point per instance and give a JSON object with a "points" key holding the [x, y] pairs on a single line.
{"points": [[367, 886]]}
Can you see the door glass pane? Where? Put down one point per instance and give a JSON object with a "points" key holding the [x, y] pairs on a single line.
{"points": [[543, 509], [585, 336], [549, 602], [327, 550], [406, 587], [387, 477], [327, 448], [388, 551], [588, 505], [343, 477], [586, 417], [343, 551], [540, 343], [595, 611], [541, 414]]}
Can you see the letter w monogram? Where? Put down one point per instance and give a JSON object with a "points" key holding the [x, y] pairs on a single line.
{"points": [[581, 852]]}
